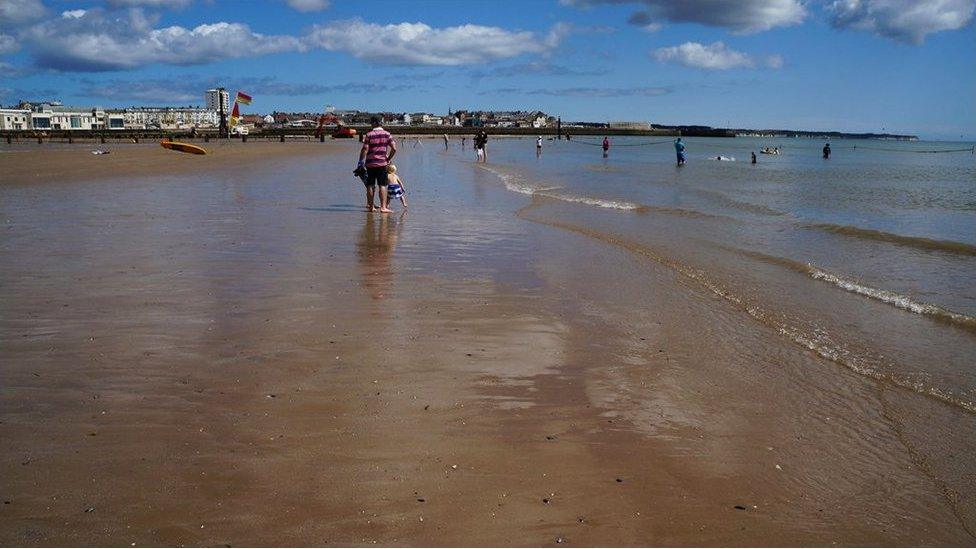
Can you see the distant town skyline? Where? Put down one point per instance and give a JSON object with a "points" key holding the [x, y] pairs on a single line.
{"points": [[893, 66]]}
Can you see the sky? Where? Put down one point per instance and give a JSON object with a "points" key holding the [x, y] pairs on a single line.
{"points": [[897, 66]]}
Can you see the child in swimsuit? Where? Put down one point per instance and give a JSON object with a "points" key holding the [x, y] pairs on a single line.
{"points": [[395, 186]]}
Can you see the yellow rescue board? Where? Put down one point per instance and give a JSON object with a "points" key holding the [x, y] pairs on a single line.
{"points": [[183, 147]]}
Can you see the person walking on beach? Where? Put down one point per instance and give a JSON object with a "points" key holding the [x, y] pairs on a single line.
{"points": [[463, 142], [378, 149], [538, 147], [826, 151], [679, 149], [445, 142], [606, 146]]}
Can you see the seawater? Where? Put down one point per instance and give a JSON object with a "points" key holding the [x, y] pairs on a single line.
{"points": [[867, 259]]}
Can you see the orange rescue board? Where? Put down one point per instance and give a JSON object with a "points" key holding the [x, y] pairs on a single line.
{"points": [[183, 147]]}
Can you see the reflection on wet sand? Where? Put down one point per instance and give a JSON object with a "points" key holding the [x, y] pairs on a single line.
{"points": [[375, 246]]}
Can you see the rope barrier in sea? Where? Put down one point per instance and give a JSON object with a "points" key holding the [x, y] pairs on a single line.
{"points": [[582, 142], [969, 150]]}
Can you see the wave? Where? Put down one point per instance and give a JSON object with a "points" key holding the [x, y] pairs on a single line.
{"points": [[919, 242], [516, 183], [819, 342], [895, 299], [590, 201]]}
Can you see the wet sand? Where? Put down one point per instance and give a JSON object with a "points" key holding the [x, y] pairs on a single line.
{"points": [[201, 355], [60, 163]]}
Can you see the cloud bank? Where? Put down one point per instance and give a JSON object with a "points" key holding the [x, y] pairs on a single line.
{"points": [[96, 40], [99, 40], [421, 44]]}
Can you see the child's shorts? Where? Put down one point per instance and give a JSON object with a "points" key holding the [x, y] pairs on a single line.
{"points": [[395, 190]]}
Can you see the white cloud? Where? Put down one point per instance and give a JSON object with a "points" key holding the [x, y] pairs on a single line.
{"points": [[308, 5], [72, 14], [421, 44], [741, 16], [8, 44], [101, 41], [713, 57], [15, 12], [902, 20]]}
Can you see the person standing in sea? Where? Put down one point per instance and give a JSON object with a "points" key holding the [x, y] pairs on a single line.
{"points": [[606, 146], [826, 151], [481, 145], [538, 147], [378, 149], [679, 149]]}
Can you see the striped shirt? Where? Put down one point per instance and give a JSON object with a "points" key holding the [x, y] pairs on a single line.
{"points": [[379, 142]]}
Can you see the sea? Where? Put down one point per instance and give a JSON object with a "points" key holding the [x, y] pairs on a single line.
{"points": [[867, 258]]}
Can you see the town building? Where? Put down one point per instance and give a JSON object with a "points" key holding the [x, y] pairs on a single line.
{"points": [[167, 118], [15, 119], [213, 100]]}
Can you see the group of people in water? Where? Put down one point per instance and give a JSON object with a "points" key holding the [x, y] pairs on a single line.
{"points": [[376, 169]]}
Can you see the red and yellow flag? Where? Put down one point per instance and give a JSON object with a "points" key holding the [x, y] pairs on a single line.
{"points": [[243, 98], [235, 115]]}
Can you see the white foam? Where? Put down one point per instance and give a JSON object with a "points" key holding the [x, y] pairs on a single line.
{"points": [[516, 184], [902, 302], [589, 201]]}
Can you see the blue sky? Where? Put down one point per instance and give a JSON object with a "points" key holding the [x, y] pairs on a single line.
{"points": [[850, 65]]}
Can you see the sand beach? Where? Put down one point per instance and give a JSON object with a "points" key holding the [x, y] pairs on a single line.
{"points": [[225, 350]]}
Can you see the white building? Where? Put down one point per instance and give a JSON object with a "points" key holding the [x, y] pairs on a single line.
{"points": [[431, 120], [213, 96], [58, 117], [15, 119]]}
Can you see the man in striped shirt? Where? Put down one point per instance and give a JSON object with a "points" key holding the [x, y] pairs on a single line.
{"points": [[378, 149]]}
